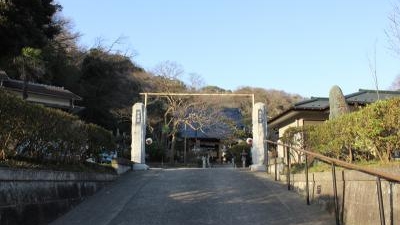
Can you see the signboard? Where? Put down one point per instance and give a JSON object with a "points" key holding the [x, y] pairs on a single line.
{"points": [[319, 189], [138, 116]]}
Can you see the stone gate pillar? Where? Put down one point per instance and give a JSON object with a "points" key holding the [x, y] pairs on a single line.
{"points": [[259, 148], [138, 137]]}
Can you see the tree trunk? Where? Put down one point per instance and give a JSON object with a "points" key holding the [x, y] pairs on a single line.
{"points": [[350, 154], [378, 153], [25, 84], [163, 144], [3, 154], [389, 151], [172, 152]]}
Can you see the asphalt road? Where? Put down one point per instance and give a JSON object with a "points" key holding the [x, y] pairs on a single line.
{"points": [[195, 196]]}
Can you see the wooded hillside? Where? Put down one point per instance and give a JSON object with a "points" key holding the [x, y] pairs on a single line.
{"points": [[108, 81]]}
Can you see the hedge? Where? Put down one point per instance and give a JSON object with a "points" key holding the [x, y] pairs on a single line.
{"points": [[32, 131], [372, 132]]}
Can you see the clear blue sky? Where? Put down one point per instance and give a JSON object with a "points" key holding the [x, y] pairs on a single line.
{"points": [[301, 47]]}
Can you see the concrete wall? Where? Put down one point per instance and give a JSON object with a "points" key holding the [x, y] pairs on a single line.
{"points": [[294, 156], [357, 196], [49, 100], [280, 149], [121, 165], [37, 197]]}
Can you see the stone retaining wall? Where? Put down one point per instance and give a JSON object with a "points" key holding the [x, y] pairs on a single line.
{"points": [[38, 197], [357, 196]]}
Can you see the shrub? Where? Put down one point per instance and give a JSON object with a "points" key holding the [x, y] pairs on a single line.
{"points": [[35, 132], [237, 149], [372, 132]]}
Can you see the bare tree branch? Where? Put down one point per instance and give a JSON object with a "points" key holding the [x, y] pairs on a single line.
{"points": [[396, 83], [196, 81], [372, 69], [393, 33]]}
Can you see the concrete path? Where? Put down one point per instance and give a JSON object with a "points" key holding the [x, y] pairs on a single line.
{"points": [[195, 196]]}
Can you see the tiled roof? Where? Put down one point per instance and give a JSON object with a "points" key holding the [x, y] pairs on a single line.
{"points": [[60, 92], [313, 104], [362, 97]]}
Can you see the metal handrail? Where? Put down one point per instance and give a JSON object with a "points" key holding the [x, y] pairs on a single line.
{"points": [[336, 162], [386, 176]]}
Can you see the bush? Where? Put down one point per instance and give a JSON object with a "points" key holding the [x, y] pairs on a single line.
{"points": [[372, 132], [42, 134], [154, 152], [237, 149]]}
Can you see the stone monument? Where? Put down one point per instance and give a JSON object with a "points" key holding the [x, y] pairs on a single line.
{"points": [[337, 103], [138, 137], [259, 146]]}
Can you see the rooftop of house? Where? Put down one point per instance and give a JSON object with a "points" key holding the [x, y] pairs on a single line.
{"points": [[315, 103], [35, 88], [362, 97]]}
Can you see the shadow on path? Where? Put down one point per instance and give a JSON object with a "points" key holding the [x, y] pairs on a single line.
{"points": [[196, 196]]}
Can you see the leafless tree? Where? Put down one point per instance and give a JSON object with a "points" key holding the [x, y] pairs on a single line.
{"points": [[170, 71], [67, 38], [372, 69], [393, 34], [396, 83], [196, 81], [195, 112]]}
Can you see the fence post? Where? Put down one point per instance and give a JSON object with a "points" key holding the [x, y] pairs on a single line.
{"points": [[391, 202], [288, 167], [335, 194], [380, 200], [307, 188], [343, 197], [276, 169], [267, 162]]}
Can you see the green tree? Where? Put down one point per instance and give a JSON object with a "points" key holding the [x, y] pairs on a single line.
{"points": [[371, 132], [62, 58], [380, 128], [107, 86], [29, 64], [25, 23]]}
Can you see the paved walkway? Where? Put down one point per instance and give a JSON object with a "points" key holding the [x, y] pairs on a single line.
{"points": [[195, 196]]}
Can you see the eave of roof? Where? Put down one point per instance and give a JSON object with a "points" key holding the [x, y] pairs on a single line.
{"points": [[351, 99], [364, 96], [301, 106], [291, 113], [16, 85]]}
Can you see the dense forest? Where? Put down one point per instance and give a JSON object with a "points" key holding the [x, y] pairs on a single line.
{"points": [[109, 82]]}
